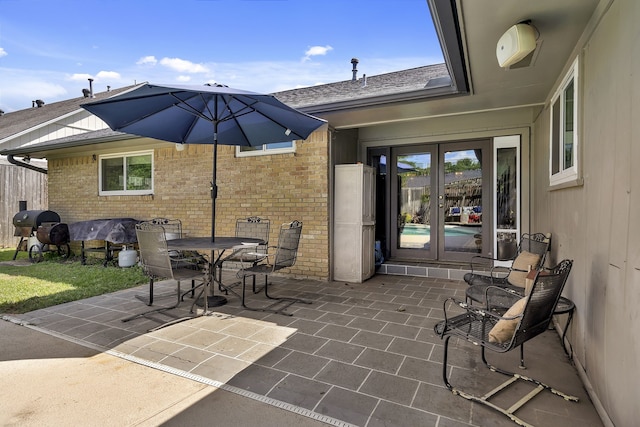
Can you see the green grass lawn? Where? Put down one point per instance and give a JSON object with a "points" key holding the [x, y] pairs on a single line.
{"points": [[53, 281]]}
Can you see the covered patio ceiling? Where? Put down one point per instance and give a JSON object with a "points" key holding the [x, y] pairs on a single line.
{"points": [[469, 31]]}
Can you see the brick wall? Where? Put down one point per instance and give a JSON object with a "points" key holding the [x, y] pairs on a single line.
{"points": [[280, 187]]}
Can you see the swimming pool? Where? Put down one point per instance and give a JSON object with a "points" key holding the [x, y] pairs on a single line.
{"points": [[449, 230]]}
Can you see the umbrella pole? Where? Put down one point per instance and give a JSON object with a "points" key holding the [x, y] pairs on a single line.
{"points": [[214, 188]]}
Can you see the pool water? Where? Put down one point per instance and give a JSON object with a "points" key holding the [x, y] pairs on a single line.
{"points": [[449, 230]]}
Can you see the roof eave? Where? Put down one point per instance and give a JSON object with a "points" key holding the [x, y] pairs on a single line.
{"points": [[39, 151], [374, 101]]}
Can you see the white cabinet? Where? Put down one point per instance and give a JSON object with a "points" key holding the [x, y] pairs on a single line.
{"points": [[354, 223]]}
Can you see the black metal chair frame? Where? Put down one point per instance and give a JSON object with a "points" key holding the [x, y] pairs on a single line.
{"points": [[537, 243], [251, 227], [475, 324], [173, 230], [159, 264], [285, 256]]}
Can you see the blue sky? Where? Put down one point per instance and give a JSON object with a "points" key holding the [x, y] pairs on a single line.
{"points": [[49, 48]]}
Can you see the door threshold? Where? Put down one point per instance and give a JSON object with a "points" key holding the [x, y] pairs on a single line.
{"points": [[433, 269]]}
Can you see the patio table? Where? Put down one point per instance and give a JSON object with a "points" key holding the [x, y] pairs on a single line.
{"points": [[219, 246]]}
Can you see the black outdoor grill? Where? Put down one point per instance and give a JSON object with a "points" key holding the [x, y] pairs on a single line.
{"points": [[40, 228]]}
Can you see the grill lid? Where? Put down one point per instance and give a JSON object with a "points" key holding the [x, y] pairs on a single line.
{"points": [[34, 219]]}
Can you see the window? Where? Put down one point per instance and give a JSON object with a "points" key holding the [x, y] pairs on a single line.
{"points": [[563, 160], [126, 174], [267, 149]]}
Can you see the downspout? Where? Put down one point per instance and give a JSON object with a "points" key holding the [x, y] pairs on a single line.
{"points": [[25, 165]]}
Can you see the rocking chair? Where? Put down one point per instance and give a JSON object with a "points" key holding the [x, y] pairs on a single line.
{"points": [[501, 328]]}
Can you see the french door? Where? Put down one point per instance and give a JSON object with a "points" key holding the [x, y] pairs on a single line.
{"points": [[439, 201]]}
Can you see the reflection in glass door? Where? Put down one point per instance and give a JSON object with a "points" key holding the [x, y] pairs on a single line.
{"points": [[414, 205], [438, 194], [461, 201]]}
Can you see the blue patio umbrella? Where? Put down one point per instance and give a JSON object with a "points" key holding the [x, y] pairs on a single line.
{"points": [[204, 115]]}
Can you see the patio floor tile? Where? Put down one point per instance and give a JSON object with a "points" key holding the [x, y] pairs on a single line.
{"points": [[340, 333], [343, 375], [299, 391], [347, 406], [305, 343], [303, 364], [390, 387], [340, 351], [380, 360], [389, 414], [370, 339], [220, 368], [257, 379], [364, 354]]}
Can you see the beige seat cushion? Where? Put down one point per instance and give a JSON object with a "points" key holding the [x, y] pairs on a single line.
{"points": [[504, 329], [523, 263]]}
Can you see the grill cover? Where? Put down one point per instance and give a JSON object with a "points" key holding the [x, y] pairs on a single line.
{"points": [[115, 230], [34, 219]]}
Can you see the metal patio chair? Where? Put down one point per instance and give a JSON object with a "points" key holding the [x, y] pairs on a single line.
{"points": [[173, 230], [158, 263], [283, 255], [251, 227], [506, 322], [530, 254]]}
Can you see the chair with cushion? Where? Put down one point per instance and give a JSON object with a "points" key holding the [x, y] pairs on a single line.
{"points": [[530, 254], [283, 255], [158, 263], [505, 322]]}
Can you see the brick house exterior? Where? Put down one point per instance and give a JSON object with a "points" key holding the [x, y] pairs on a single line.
{"points": [[280, 187]]}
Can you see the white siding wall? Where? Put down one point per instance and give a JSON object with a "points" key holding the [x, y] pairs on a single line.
{"points": [[596, 224], [73, 124]]}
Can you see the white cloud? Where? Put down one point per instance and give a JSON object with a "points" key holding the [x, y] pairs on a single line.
{"points": [[101, 75], [20, 93], [183, 79], [77, 77], [315, 51], [3, 52], [147, 60], [183, 66], [108, 75]]}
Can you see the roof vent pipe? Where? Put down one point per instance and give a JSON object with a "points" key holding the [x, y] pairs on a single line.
{"points": [[354, 61], [91, 88]]}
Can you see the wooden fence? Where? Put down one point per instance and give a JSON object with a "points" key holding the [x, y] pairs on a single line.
{"points": [[16, 184]]}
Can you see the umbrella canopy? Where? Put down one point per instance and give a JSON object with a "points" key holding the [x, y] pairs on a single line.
{"points": [[204, 115]]}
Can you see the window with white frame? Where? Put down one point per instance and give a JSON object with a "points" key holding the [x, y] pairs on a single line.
{"points": [[563, 159], [126, 174], [267, 149]]}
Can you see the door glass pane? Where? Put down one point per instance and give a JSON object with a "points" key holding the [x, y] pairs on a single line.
{"points": [[414, 193], [463, 201], [506, 202], [379, 162]]}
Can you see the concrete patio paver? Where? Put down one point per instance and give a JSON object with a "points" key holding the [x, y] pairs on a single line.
{"points": [[361, 354]]}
